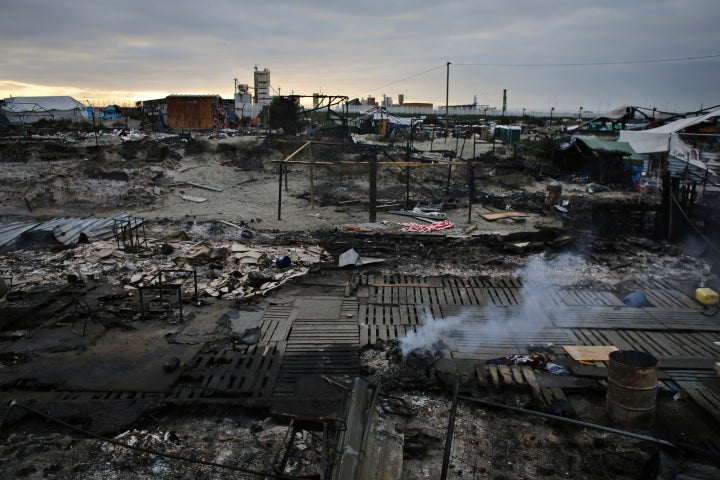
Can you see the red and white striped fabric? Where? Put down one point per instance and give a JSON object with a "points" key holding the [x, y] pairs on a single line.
{"points": [[427, 227]]}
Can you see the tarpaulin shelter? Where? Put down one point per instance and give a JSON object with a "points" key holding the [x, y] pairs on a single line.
{"points": [[378, 120], [111, 112], [31, 109], [602, 160], [665, 144]]}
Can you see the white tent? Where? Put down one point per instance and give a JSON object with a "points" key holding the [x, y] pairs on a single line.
{"points": [[32, 109], [666, 139], [394, 121]]}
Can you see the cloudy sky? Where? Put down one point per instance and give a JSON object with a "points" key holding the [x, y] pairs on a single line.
{"points": [[552, 53]]}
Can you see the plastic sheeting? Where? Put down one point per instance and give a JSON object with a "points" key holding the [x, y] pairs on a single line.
{"points": [[646, 141], [665, 138]]}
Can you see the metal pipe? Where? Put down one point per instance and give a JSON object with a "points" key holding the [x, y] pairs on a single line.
{"points": [[580, 423], [450, 430]]}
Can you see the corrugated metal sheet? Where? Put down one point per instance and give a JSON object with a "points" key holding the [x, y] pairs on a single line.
{"points": [[67, 230]]}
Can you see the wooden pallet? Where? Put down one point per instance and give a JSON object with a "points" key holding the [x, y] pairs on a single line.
{"points": [[323, 340], [706, 398], [250, 371]]}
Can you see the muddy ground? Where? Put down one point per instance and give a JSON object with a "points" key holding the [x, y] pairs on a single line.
{"points": [[76, 176]]}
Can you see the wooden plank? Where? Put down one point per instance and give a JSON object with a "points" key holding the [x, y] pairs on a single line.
{"points": [[531, 380], [616, 340], [216, 379], [382, 332], [190, 198], [492, 216], [517, 374], [505, 373], [266, 388], [690, 363], [493, 370], [590, 353], [547, 396], [251, 371], [268, 359], [588, 371], [708, 400], [482, 374], [567, 298], [670, 347], [363, 332]]}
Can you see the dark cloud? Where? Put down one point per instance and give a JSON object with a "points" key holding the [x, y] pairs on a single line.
{"points": [[360, 48]]}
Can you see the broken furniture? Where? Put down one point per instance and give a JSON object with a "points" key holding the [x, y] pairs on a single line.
{"points": [[171, 280], [127, 233]]}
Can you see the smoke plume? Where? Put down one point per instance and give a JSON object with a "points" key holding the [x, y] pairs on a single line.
{"points": [[505, 326]]}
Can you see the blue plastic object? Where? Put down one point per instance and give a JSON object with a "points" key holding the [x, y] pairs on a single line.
{"points": [[635, 300], [283, 262]]}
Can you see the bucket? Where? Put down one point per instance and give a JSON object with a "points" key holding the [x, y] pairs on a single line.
{"points": [[631, 388], [554, 194]]}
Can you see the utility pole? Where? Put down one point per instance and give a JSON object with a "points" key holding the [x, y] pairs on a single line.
{"points": [[447, 99]]}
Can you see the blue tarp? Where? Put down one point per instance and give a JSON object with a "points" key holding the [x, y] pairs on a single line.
{"points": [[111, 112]]}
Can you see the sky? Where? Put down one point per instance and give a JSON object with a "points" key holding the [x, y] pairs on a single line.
{"points": [[565, 54]]}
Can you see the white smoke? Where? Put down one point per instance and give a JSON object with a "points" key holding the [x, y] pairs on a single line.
{"points": [[431, 330], [502, 326]]}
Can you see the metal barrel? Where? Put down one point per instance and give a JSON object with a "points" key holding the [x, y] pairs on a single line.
{"points": [[632, 388]]}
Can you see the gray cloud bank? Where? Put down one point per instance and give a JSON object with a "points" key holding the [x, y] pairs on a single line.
{"points": [[361, 48]]}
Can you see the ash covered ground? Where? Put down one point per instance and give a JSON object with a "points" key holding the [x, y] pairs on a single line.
{"points": [[70, 176]]}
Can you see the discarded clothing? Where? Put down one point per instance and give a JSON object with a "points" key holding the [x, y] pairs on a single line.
{"points": [[427, 227], [534, 360], [556, 369]]}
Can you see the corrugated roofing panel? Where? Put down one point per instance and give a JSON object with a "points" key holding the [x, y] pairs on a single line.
{"points": [[9, 232], [67, 230]]}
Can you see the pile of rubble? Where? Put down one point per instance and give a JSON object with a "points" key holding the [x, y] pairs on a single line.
{"points": [[227, 270]]}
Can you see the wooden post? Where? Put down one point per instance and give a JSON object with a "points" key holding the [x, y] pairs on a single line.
{"points": [[407, 174], [407, 187], [312, 180], [373, 190], [471, 187], [280, 179], [447, 186], [447, 100], [662, 219], [673, 210]]}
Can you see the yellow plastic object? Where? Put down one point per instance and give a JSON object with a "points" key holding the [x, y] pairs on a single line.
{"points": [[707, 296]]}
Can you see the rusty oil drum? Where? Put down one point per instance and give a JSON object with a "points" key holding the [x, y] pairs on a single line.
{"points": [[632, 388]]}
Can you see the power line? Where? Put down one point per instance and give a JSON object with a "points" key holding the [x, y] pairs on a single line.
{"points": [[586, 64], [408, 77]]}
